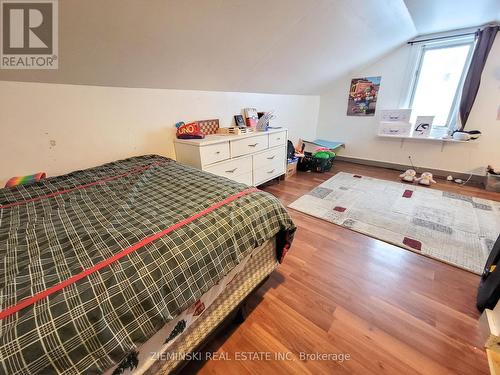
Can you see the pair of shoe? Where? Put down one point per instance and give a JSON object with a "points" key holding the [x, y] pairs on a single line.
{"points": [[411, 176]]}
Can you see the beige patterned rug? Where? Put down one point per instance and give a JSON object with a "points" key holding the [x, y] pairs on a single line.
{"points": [[456, 229]]}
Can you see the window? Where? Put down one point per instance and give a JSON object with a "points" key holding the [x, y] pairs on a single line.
{"points": [[438, 81]]}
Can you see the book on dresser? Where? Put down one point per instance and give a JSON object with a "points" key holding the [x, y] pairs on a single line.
{"points": [[251, 159]]}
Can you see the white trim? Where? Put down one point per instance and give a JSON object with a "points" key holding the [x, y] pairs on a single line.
{"points": [[413, 58], [450, 140], [451, 34], [416, 58]]}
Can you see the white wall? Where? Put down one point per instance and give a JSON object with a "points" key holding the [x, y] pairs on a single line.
{"points": [[360, 133], [59, 128]]}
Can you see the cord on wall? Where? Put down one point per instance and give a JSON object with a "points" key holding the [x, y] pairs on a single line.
{"points": [[456, 180], [470, 162], [411, 163], [459, 180]]}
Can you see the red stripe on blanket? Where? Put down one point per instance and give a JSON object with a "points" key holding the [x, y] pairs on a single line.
{"points": [[73, 279], [59, 192]]}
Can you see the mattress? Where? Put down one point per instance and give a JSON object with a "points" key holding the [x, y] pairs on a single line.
{"points": [[95, 262]]}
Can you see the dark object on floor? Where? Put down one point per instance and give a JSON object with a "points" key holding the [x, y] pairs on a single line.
{"points": [[305, 163], [310, 163], [290, 151], [488, 292], [323, 165]]}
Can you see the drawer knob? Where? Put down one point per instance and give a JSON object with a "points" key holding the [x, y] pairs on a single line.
{"points": [[278, 139], [232, 170], [255, 144], [217, 152], [271, 157], [271, 171]]}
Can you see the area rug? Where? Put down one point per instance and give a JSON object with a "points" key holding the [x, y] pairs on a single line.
{"points": [[456, 229]]}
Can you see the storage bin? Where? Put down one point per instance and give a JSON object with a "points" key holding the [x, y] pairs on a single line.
{"points": [[291, 169], [492, 182], [310, 163], [305, 162], [394, 128], [322, 165]]}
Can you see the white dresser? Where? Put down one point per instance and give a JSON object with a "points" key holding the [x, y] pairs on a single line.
{"points": [[251, 159]]}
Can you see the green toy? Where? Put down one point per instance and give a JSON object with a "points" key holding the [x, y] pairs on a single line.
{"points": [[324, 154]]}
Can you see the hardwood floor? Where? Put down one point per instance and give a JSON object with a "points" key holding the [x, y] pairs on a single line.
{"points": [[392, 311]]}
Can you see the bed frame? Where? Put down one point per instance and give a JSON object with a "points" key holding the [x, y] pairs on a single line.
{"points": [[229, 307], [236, 316]]}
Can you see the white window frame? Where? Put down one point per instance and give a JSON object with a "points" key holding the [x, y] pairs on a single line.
{"points": [[417, 56]]}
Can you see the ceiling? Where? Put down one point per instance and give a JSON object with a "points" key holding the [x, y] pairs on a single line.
{"points": [[431, 16], [272, 46]]}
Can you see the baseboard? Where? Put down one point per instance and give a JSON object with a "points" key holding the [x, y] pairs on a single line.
{"points": [[402, 167]]}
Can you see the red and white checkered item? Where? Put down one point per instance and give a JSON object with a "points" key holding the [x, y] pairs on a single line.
{"points": [[209, 126]]}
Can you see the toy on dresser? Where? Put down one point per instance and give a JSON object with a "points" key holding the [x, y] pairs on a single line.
{"points": [[189, 131]]}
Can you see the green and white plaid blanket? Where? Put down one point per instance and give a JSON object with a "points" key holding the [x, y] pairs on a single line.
{"points": [[183, 229]]}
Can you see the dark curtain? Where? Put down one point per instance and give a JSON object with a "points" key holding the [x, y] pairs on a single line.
{"points": [[485, 39]]}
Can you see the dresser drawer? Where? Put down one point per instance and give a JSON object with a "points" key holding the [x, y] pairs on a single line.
{"points": [[232, 168], [267, 172], [249, 145], [244, 179], [213, 153], [269, 157], [277, 139]]}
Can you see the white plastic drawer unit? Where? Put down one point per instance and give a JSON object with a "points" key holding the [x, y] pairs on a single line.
{"points": [[251, 159]]}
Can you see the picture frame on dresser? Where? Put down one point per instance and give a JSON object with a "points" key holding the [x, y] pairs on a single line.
{"points": [[239, 121]]}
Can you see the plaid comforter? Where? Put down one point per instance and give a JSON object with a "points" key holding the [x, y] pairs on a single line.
{"points": [[63, 226]]}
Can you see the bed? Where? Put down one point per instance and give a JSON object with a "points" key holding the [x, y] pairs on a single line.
{"points": [[107, 269]]}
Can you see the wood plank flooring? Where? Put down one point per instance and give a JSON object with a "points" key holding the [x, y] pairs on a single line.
{"points": [[392, 311]]}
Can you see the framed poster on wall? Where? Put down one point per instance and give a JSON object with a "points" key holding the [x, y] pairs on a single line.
{"points": [[363, 95]]}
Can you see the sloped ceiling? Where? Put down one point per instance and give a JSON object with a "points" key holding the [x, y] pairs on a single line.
{"points": [[431, 16], [273, 46]]}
